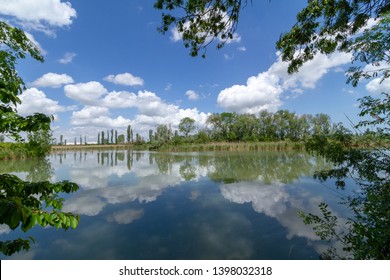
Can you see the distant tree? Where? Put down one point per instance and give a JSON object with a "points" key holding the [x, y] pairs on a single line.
{"points": [[112, 136], [103, 140], [61, 139], [98, 141], [163, 133], [116, 136], [138, 139], [129, 134], [121, 139], [186, 126]]}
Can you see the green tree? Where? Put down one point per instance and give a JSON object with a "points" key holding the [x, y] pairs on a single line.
{"points": [[328, 26], [39, 142], [323, 26], [200, 22], [129, 134], [121, 139], [151, 136], [368, 231], [186, 126], [22, 203]]}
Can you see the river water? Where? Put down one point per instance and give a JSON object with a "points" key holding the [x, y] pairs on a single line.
{"points": [[150, 205]]}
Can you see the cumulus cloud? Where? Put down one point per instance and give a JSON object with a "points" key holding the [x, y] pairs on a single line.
{"points": [[125, 79], [263, 92], [126, 216], [192, 95], [34, 100], [377, 86], [52, 80], [84, 205], [86, 93], [311, 72], [39, 15], [97, 117], [67, 58], [151, 109]]}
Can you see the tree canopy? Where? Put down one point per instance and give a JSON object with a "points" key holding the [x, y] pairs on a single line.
{"points": [[359, 27]]}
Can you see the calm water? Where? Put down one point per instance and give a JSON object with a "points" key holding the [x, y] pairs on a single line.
{"points": [[144, 205]]}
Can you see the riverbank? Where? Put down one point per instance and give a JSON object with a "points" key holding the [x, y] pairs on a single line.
{"points": [[217, 146]]}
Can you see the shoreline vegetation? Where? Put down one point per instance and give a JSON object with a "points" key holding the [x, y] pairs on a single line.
{"points": [[191, 147], [13, 151]]}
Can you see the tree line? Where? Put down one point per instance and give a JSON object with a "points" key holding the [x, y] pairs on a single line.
{"points": [[266, 126]]}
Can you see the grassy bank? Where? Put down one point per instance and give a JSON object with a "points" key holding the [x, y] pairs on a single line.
{"points": [[14, 151]]}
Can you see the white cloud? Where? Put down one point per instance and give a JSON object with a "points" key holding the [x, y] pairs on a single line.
{"points": [[241, 49], [236, 39], [176, 35], [86, 93], [311, 72], [34, 100], [151, 109], [192, 95], [228, 56], [126, 216], [125, 79], [39, 14], [52, 80], [148, 103], [84, 205], [377, 86], [97, 117], [67, 58], [263, 92], [168, 87]]}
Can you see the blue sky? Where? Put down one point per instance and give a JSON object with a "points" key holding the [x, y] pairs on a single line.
{"points": [[106, 67]]}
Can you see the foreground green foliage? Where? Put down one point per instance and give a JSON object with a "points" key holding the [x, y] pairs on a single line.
{"points": [[323, 26], [25, 204], [367, 234]]}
